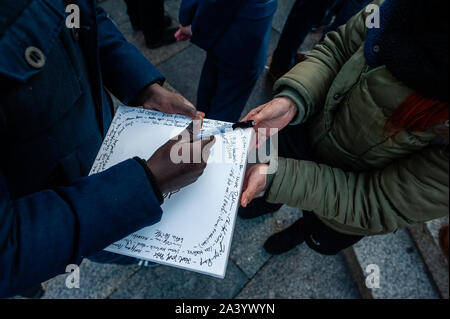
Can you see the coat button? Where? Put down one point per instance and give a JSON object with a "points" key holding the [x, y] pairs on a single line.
{"points": [[35, 57], [376, 48], [337, 96]]}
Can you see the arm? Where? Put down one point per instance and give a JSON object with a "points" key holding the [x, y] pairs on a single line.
{"points": [[302, 92], [42, 233], [126, 72], [410, 190], [308, 83]]}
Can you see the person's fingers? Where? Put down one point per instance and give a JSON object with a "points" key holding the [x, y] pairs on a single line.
{"points": [[266, 114], [193, 130], [207, 145], [186, 108], [249, 193], [200, 115], [151, 107], [253, 186], [252, 113], [197, 128], [245, 184], [186, 101]]}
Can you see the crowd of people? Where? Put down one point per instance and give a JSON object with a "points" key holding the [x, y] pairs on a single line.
{"points": [[362, 121]]}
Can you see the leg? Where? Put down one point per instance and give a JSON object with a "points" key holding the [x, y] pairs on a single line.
{"points": [[154, 24], [346, 12], [133, 13], [208, 85], [152, 19], [317, 235], [304, 15], [324, 239], [233, 87]]}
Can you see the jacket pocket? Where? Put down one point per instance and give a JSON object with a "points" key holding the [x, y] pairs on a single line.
{"points": [[39, 83]]}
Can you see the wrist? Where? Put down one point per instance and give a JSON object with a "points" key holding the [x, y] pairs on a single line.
{"points": [[300, 106], [150, 94], [288, 104], [152, 179]]}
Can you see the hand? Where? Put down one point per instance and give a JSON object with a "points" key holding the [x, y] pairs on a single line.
{"points": [[171, 175], [155, 97], [183, 33], [276, 114], [255, 181]]}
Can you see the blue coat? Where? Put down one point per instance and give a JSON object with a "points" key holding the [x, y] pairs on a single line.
{"points": [[53, 118], [235, 31]]}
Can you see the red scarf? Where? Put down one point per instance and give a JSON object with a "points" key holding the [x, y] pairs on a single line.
{"points": [[417, 114]]}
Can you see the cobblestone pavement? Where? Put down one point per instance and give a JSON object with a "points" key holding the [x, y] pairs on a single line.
{"points": [[252, 273]]}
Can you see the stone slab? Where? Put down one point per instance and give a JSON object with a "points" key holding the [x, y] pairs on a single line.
{"points": [[302, 274], [427, 243], [170, 283], [403, 274], [247, 250], [183, 71], [116, 10], [97, 281]]}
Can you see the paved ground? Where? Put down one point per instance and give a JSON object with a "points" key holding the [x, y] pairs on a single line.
{"points": [[252, 273]]}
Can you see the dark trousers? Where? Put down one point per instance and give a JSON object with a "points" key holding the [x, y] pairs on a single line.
{"points": [[223, 90], [147, 15], [303, 17], [345, 10], [293, 143]]}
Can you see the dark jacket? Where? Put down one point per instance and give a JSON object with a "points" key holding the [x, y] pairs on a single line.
{"points": [[53, 118], [236, 31]]}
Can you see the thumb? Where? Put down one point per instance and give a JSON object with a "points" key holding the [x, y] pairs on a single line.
{"points": [[191, 131], [251, 188], [186, 108], [207, 145]]}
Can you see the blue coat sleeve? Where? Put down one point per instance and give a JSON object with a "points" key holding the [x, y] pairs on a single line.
{"points": [[188, 9], [212, 18], [42, 233], [125, 69]]}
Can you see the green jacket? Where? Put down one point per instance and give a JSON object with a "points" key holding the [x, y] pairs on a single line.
{"points": [[372, 182]]}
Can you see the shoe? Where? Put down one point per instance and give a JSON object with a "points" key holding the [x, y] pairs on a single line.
{"points": [[258, 207], [167, 38], [34, 293], [286, 240]]}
